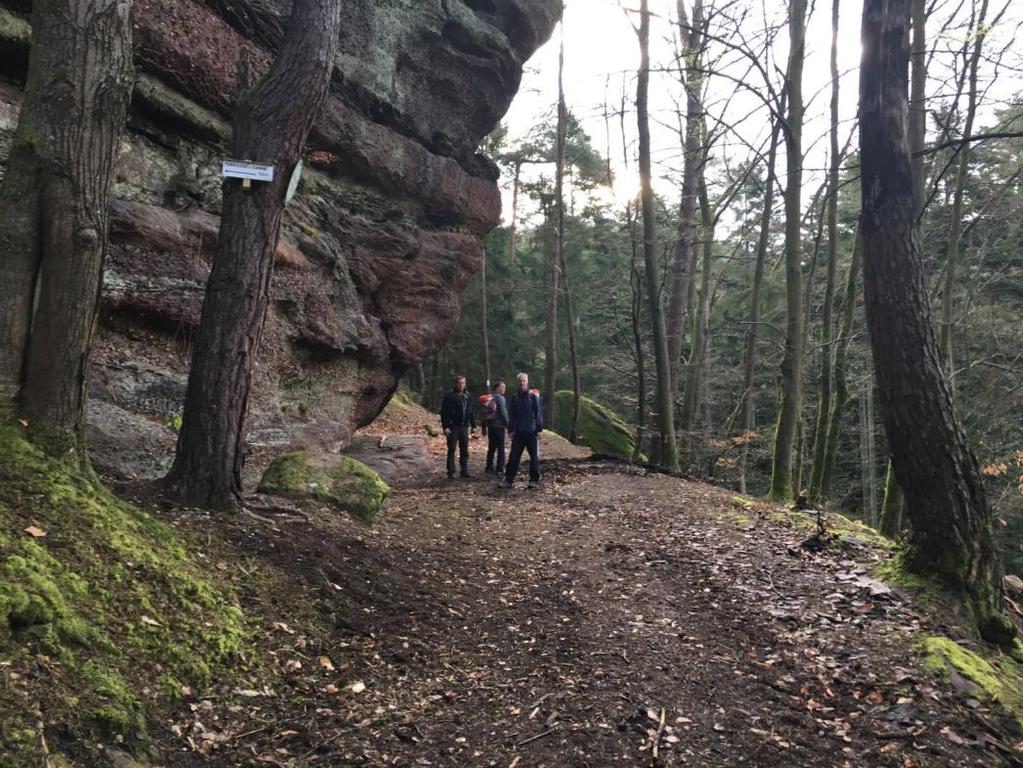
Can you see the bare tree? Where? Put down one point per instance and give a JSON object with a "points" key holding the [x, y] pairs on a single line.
{"points": [[667, 446], [54, 204], [272, 121], [557, 243], [792, 363], [951, 536]]}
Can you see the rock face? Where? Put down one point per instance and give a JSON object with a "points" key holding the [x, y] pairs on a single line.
{"points": [[382, 238]]}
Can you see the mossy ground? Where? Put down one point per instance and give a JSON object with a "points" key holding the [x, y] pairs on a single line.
{"points": [[599, 428], [339, 480], [1000, 677], [108, 613]]}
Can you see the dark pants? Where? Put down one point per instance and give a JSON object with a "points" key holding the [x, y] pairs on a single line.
{"points": [[458, 436], [520, 443], [495, 446]]}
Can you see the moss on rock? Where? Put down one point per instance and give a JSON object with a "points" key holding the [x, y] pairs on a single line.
{"points": [[1000, 678], [338, 480], [108, 595], [599, 427]]}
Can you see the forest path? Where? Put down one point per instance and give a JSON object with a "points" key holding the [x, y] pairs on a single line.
{"points": [[613, 617]]}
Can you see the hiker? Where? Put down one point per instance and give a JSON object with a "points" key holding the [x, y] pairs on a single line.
{"points": [[496, 422], [525, 420], [458, 420]]}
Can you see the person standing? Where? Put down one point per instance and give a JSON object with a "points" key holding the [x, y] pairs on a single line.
{"points": [[525, 420], [496, 421], [458, 420]]}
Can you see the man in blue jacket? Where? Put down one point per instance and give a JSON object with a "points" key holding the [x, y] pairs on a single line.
{"points": [[458, 419], [525, 420]]}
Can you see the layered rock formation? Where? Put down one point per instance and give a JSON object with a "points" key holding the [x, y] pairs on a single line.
{"points": [[383, 236]]}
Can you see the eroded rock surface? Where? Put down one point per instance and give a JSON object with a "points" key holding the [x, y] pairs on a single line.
{"points": [[378, 245]]}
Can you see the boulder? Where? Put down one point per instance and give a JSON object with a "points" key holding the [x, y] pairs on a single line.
{"points": [[600, 428], [340, 481], [398, 459]]}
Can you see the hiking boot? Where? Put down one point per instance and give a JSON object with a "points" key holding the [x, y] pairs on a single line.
{"points": [[504, 484], [465, 474], [533, 484], [451, 475]]}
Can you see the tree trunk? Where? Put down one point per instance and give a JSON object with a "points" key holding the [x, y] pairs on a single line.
{"points": [[667, 447], [554, 262], [820, 437], [696, 369], [962, 170], [573, 355], [891, 510], [841, 389], [684, 257], [54, 204], [513, 229], [750, 362], [484, 325], [271, 124], [636, 281], [792, 363], [951, 536]]}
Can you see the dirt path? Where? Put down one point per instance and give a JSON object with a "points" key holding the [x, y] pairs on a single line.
{"points": [[612, 618]]}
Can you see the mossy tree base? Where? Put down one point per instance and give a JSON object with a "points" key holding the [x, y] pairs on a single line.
{"points": [[599, 428], [108, 595]]}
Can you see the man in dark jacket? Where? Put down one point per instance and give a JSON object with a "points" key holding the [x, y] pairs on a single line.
{"points": [[497, 423], [525, 420], [457, 419]]}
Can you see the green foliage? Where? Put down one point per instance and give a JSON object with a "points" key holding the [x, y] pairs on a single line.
{"points": [[339, 480], [599, 428], [110, 596]]}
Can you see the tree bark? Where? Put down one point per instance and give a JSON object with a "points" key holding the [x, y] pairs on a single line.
{"points": [[636, 281], [792, 363], [841, 389], [951, 536], [573, 355], [820, 438], [271, 124], [54, 204], [554, 261], [750, 362], [513, 229], [696, 369], [484, 324], [668, 447], [686, 239], [890, 524]]}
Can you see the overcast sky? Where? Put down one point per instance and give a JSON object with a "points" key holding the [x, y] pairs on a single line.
{"points": [[602, 53]]}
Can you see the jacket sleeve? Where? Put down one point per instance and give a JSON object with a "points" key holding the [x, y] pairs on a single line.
{"points": [[445, 413], [472, 413], [539, 415], [503, 408], [511, 414]]}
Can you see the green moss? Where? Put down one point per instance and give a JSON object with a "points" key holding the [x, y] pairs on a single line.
{"points": [[1000, 678], [111, 594], [337, 480], [599, 428]]}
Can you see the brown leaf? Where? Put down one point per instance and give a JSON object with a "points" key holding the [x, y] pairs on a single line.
{"points": [[35, 532]]}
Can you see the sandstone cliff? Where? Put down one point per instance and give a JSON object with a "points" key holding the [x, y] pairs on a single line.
{"points": [[384, 234]]}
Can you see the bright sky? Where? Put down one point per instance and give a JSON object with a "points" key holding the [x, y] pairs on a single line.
{"points": [[602, 53]]}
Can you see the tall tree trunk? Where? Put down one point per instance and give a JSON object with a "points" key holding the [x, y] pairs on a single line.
{"points": [[820, 438], [792, 363], [686, 239], [272, 121], [484, 324], [696, 369], [841, 388], [573, 355], [554, 262], [636, 281], [962, 170], [667, 447], [513, 229], [54, 204], [951, 536], [891, 508], [750, 361]]}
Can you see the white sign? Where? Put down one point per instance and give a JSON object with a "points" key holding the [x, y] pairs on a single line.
{"points": [[238, 169], [296, 176]]}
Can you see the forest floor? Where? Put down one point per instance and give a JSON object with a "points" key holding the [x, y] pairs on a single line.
{"points": [[613, 617]]}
